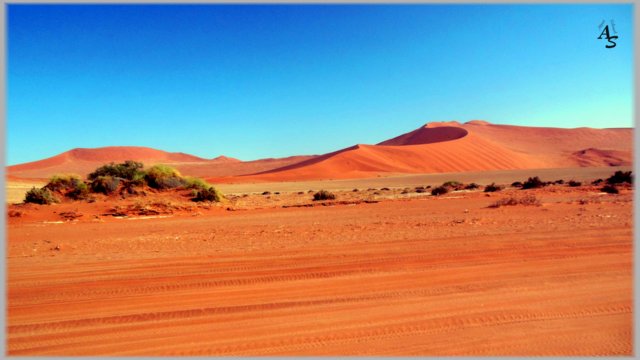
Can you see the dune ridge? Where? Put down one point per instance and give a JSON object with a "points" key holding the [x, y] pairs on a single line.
{"points": [[436, 147]]}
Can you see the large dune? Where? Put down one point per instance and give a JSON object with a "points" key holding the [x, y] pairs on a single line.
{"points": [[474, 146], [437, 147]]}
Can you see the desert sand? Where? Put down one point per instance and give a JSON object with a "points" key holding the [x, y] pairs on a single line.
{"points": [[375, 272], [436, 147], [384, 269]]}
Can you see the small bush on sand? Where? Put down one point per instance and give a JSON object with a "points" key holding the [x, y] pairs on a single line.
{"points": [[266, 193], [516, 184], [533, 183], [440, 190], [597, 182], [574, 183], [129, 170], [471, 186], [620, 177], [609, 189], [559, 182], [62, 183], [355, 190], [420, 191], [492, 188], [512, 201], [323, 195], [452, 184], [385, 189], [163, 177], [207, 194], [105, 184], [195, 183], [41, 196], [79, 192]]}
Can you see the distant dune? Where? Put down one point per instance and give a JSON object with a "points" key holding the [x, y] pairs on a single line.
{"points": [[477, 145], [436, 147]]}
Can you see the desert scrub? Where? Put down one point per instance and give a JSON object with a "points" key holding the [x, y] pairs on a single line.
{"points": [[42, 196], [492, 188], [323, 195], [79, 192], [609, 189], [129, 170], [516, 184], [163, 177], [440, 190], [207, 194], [452, 184], [574, 183], [63, 182], [620, 177], [533, 183], [105, 184], [512, 201], [471, 186], [195, 183]]}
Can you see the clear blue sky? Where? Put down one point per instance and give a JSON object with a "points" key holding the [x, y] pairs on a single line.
{"points": [[271, 81]]}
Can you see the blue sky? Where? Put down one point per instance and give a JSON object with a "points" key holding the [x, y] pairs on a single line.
{"points": [[271, 81]]}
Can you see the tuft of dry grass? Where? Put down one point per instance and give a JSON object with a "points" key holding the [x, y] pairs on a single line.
{"points": [[528, 200]]}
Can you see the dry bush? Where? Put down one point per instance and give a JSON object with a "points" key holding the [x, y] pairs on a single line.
{"points": [[529, 200]]}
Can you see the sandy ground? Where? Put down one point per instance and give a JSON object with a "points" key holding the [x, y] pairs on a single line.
{"points": [[412, 275]]}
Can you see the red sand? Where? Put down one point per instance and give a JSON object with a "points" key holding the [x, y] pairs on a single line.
{"points": [[436, 147], [420, 276]]}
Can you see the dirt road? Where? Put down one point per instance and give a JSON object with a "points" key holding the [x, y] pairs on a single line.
{"points": [[433, 276]]}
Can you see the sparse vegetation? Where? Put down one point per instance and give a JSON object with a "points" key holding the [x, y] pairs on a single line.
{"points": [[597, 182], [207, 194], [492, 188], [610, 189], [574, 183], [105, 184], [620, 177], [559, 182], [471, 186], [451, 184], [440, 190], [529, 200], [42, 196], [129, 170], [163, 177], [516, 184], [266, 193], [421, 190], [323, 195], [533, 183]]}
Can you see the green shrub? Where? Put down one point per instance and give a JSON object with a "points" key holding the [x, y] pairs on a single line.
{"points": [[532, 183], [195, 183], [620, 177], [323, 195], [609, 189], [207, 194], [41, 196], [79, 192], [163, 177], [492, 188], [129, 170], [62, 183], [440, 190], [105, 184]]}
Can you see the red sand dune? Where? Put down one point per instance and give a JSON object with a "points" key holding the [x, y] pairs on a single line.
{"points": [[473, 146], [437, 147], [83, 161]]}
